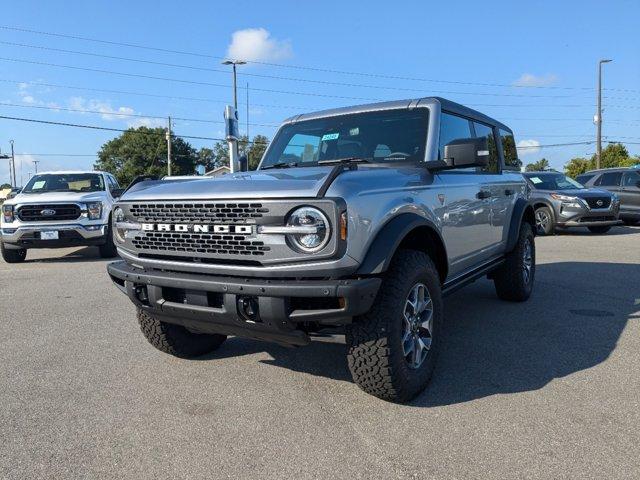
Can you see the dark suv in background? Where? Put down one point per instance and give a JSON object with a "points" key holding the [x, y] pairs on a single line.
{"points": [[624, 182], [560, 201]]}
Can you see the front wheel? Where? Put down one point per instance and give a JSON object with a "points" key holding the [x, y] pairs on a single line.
{"points": [[175, 339], [392, 349], [513, 280], [108, 250], [11, 255], [603, 229], [544, 220]]}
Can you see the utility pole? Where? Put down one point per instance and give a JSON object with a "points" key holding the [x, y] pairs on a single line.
{"points": [[13, 164], [598, 117], [169, 147], [235, 89], [35, 163], [248, 137]]}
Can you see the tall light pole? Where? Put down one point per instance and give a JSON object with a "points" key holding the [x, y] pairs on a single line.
{"points": [[598, 117], [235, 88], [168, 136], [35, 165], [7, 157], [13, 163]]}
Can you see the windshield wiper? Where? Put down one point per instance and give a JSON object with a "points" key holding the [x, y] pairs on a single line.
{"points": [[281, 165], [345, 160]]}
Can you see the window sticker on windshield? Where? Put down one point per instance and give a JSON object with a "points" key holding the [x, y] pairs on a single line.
{"points": [[38, 185], [330, 136], [354, 131], [535, 180]]}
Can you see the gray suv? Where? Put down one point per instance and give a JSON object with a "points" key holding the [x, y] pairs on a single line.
{"points": [[624, 183], [560, 201], [361, 217]]}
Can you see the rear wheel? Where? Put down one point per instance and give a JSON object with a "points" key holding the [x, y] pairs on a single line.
{"points": [[544, 220], [513, 280], [175, 339], [602, 229], [392, 349], [11, 255]]}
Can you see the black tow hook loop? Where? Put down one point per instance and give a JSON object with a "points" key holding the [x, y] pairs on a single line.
{"points": [[248, 308]]}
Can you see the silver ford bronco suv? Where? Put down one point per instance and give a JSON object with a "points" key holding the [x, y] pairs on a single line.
{"points": [[362, 217]]}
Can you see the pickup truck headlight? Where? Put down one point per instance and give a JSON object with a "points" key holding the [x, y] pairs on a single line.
{"points": [[7, 213], [318, 226], [94, 210]]}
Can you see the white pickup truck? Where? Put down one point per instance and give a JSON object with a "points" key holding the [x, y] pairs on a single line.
{"points": [[60, 209]]}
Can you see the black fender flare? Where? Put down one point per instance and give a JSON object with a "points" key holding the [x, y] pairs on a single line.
{"points": [[389, 238], [520, 210]]}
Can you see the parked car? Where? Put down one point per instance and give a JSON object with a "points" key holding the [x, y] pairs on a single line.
{"points": [[624, 182], [560, 201], [59, 209], [14, 191], [363, 217]]}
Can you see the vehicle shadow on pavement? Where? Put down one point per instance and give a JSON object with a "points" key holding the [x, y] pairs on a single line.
{"points": [[583, 232], [85, 254], [495, 347]]}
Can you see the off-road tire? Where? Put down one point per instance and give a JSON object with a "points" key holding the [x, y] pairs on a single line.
{"points": [[13, 255], [375, 353], [508, 279], [175, 339], [600, 230], [548, 229], [108, 250]]}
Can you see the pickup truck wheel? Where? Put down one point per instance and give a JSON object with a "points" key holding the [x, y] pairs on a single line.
{"points": [[513, 280], [544, 220], [13, 256], [392, 349], [603, 229], [108, 250], [175, 339]]}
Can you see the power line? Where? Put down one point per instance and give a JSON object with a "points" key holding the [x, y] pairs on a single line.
{"points": [[276, 77], [122, 114], [290, 66]]}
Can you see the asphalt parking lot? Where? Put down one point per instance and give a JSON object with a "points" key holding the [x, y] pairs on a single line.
{"points": [[545, 389]]}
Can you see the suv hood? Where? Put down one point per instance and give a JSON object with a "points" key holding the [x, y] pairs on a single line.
{"points": [[57, 197], [585, 192], [277, 183]]}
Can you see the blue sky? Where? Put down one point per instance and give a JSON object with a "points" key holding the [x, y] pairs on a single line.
{"points": [[530, 64]]}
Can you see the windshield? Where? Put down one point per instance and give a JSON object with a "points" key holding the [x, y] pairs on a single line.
{"points": [[382, 136], [555, 181], [65, 182]]}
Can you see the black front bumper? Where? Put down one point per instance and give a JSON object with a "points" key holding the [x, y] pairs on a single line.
{"points": [[213, 304]]}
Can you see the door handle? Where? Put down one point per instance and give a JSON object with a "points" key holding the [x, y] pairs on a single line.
{"points": [[509, 192], [483, 194]]}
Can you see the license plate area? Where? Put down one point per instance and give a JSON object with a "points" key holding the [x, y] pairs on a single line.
{"points": [[49, 235]]}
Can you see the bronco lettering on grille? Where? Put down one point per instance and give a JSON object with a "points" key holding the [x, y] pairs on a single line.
{"points": [[197, 228]]}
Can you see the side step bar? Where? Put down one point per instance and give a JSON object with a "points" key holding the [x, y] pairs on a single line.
{"points": [[454, 284]]}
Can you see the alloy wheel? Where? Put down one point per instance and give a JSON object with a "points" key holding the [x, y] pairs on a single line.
{"points": [[417, 333]]}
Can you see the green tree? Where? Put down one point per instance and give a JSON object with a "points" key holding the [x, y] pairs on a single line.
{"points": [[219, 154], [577, 166], [614, 155], [144, 151], [256, 150], [4, 185], [539, 166]]}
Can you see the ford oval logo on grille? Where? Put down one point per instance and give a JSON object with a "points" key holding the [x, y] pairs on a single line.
{"points": [[599, 203], [48, 212]]}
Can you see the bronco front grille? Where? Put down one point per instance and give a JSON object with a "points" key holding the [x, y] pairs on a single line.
{"points": [[44, 212], [593, 202], [198, 212], [200, 243]]}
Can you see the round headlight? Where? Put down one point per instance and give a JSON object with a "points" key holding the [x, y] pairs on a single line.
{"points": [[309, 217], [118, 216]]}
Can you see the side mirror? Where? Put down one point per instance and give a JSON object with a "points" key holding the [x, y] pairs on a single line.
{"points": [[117, 192], [467, 152], [243, 163]]}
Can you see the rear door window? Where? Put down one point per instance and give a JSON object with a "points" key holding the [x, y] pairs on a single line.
{"points": [[485, 131], [511, 160], [610, 179], [631, 179]]}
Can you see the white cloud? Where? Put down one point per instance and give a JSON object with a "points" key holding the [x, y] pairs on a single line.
{"points": [[530, 80], [107, 112], [256, 44], [146, 122], [28, 99], [527, 147]]}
